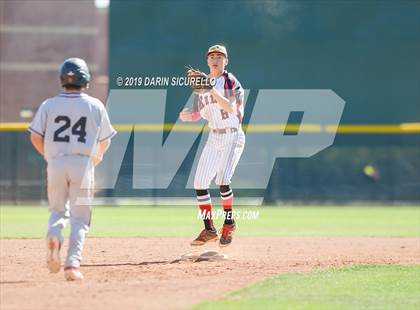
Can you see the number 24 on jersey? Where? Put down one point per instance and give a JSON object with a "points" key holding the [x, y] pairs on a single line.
{"points": [[78, 129]]}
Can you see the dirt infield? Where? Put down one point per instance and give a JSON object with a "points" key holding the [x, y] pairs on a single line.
{"points": [[147, 273]]}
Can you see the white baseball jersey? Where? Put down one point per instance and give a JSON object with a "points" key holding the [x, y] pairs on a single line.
{"points": [[71, 124], [211, 111], [222, 151]]}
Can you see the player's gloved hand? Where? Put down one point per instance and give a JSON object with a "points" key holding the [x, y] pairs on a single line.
{"points": [[199, 81]]}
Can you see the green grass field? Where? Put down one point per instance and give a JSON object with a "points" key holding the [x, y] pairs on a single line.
{"points": [[359, 287], [30, 222]]}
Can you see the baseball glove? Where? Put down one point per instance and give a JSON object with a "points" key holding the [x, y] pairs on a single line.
{"points": [[198, 80]]}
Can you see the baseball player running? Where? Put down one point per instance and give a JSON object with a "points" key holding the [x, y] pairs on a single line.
{"points": [[222, 107], [72, 132]]}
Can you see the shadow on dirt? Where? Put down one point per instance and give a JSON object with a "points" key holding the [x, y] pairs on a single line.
{"points": [[207, 256]]}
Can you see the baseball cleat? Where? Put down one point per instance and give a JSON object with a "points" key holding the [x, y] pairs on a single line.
{"points": [[227, 233], [73, 274], [205, 236], [53, 254]]}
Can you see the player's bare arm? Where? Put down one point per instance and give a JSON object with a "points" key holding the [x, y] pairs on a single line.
{"points": [[103, 147], [38, 142], [185, 116]]}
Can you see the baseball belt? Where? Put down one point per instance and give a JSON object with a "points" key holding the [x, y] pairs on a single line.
{"points": [[224, 130]]}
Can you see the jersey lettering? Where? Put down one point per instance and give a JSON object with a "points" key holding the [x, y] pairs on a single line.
{"points": [[78, 129], [57, 137], [212, 111], [225, 115]]}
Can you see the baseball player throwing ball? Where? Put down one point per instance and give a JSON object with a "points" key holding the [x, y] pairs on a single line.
{"points": [[72, 132], [221, 104]]}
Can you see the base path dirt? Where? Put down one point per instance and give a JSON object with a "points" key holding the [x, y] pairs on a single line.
{"points": [[147, 273]]}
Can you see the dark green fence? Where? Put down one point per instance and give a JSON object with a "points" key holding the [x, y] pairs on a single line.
{"points": [[342, 173]]}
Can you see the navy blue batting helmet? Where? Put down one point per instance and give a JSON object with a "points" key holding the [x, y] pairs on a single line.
{"points": [[74, 72]]}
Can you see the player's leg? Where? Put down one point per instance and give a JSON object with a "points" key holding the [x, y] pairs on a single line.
{"points": [[209, 233], [229, 158], [81, 173], [227, 165], [229, 225], [204, 203], [206, 170], [226, 196], [57, 187]]}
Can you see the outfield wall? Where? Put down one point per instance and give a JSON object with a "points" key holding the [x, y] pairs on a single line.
{"points": [[338, 174]]}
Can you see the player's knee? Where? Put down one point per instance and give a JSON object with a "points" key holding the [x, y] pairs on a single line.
{"points": [[224, 188], [201, 184], [80, 213], [222, 180]]}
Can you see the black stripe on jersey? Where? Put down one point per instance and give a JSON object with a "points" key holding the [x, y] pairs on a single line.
{"points": [[108, 137], [229, 83], [70, 95], [225, 84], [232, 88], [34, 131]]}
